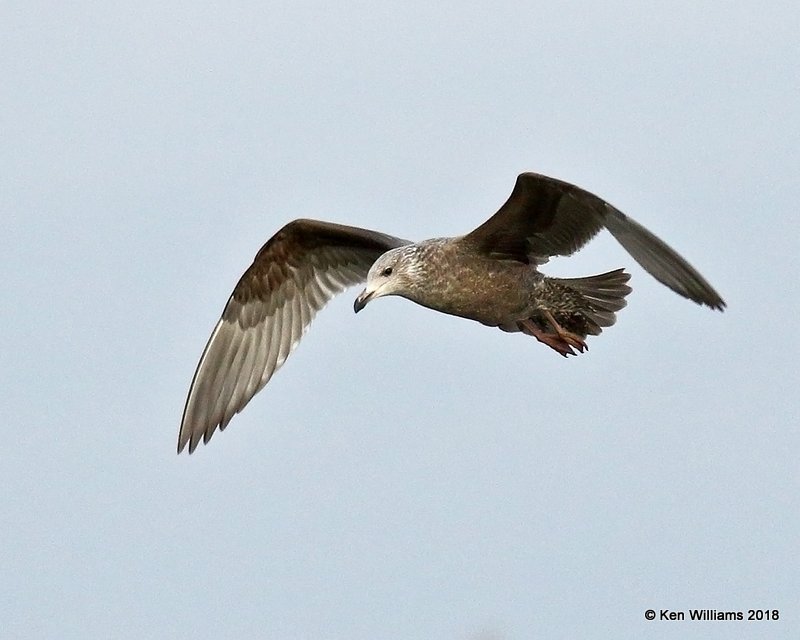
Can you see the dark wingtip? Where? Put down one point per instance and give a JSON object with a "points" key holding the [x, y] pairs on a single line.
{"points": [[707, 298]]}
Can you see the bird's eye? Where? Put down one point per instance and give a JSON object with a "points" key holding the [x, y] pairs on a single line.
{"points": [[386, 272]]}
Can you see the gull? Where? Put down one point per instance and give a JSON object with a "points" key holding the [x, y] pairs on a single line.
{"points": [[490, 275]]}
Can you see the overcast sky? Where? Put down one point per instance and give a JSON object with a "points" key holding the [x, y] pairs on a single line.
{"points": [[407, 475]]}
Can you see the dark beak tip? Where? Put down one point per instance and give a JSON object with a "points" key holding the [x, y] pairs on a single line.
{"points": [[359, 304], [361, 301]]}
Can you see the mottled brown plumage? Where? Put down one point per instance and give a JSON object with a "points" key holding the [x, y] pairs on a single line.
{"points": [[489, 275]]}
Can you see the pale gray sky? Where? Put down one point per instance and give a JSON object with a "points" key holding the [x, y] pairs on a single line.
{"points": [[406, 475]]}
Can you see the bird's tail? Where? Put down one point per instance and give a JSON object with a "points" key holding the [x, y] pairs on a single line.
{"points": [[596, 304], [572, 308]]}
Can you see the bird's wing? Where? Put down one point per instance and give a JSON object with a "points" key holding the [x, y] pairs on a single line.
{"points": [[293, 276], [547, 217]]}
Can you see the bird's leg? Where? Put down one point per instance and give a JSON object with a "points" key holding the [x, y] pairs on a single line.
{"points": [[562, 340], [552, 340], [570, 338]]}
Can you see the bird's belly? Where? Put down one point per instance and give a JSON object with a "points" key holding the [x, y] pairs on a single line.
{"points": [[491, 300]]}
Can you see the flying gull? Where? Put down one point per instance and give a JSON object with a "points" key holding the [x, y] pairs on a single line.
{"points": [[489, 275]]}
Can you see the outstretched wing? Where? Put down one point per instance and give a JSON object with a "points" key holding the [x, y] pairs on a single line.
{"points": [[547, 217], [293, 276]]}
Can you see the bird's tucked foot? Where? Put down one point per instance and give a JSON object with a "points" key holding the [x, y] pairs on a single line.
{"points": [[563, 341], [572, 339]]}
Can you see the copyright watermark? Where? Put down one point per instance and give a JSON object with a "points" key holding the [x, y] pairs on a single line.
{"points": [[708, 615]]}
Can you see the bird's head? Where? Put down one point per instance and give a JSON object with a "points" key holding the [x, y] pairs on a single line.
{"points": [[394, 273]]}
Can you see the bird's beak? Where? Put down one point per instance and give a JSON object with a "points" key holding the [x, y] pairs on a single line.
{"points": [[363, 298]]}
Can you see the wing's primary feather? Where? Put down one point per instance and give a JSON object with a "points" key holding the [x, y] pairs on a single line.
{"points": [[293, 276], [661, 261]]}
